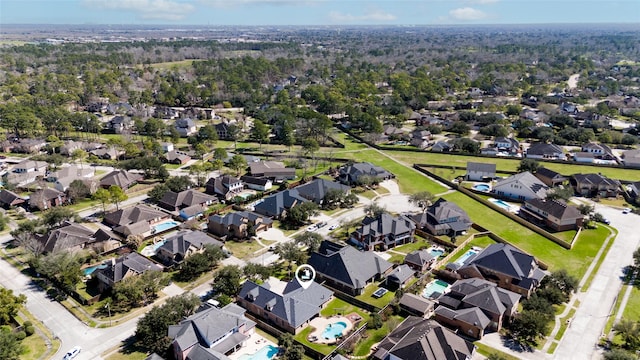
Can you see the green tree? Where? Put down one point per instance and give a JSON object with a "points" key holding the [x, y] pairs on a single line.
{"points": [[309, 239], [260, 132], [560, 192], [63, 268], [151, 331], [529, 165], [527, 327], [255, 271], [179, 183], [79, 154], [103, 196], [77, 190], [56, 216], [220, 153], [157, 192], [310, 147], [423, 199], [9, 305], [24, 235], [299, 214], [630, 333], [292, 351], [117, 195], [290, 252], [237, 163], [619, 354], [10, 347], [199, 263], [375, 322], [227, 281], [374, 210]]}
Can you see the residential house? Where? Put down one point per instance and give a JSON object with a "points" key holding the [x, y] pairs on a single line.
{"points": [[554, 214], [222, 129], [185, 127], [28, 146], [419, 260], [417, 338], [506, 266], [132, 264], [480, 171], [631, 158], [107, 153], [70, 146], [200, 352], [63, 184], [443, 218], [633, 189], [238, 224], [122, 178], [317, 189], [475, 306], [347, 269], [350, 174], [545, 151], [226, 187], [221, 331], [508, 145], [9, 199], [522, 186], [176, 157], [74, 237], [255, 183], [30, 166], [383, 232], [184, 244], [441, 146], [592, 185], [135, 220], [47, 198], [568, 108], [71, 171], [416, 305], [399, 277], [276, 205], [420, 138], [602, 154], [167, 147], [274, 170], [550, 177], [287, 305], [119, 124], [188, 203]]}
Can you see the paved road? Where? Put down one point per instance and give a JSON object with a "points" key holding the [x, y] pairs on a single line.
{"points": [[61, 322], [581, 338]]}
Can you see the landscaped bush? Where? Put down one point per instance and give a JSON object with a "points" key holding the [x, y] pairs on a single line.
{"points": [[20, 335], [29, 330]]}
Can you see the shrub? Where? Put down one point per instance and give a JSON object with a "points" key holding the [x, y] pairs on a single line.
{"points": [[29, 330], [27, 323], [20, 335]]}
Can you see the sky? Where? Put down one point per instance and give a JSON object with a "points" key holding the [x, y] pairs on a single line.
{"points": [[317, 12]]}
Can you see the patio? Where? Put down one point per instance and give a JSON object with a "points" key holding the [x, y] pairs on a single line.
{"points": [[320, 324]]}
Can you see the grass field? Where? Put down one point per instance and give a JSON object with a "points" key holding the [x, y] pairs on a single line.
{"points": [[632, 310], [173, 64]]}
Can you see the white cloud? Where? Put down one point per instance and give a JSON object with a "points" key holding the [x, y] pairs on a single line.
{"points": [[374, 15], [146, 9], [230, 3], [482, 2], [467, 14]]}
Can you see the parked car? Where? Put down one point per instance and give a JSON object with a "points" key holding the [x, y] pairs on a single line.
{"points": [[312, 228], [333, 227], [72, 353], [626, 210]]}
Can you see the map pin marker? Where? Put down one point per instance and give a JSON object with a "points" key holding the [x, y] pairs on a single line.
{"points": [[305, 274]]}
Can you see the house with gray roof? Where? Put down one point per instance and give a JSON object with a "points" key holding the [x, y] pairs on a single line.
{"points": [[545, 151], [507, 144], [132, 264], [422, 339], [480, 171], [601, 152], [506, 266], [276, 205], [521, 187], [349, 174], [214, 330], [238, 224], [184, 244], [317, 189], [631, 158], [274, 170], [200, 352], [47, 198], [188, 203], [122, 178], [9, 199], [469, 303], [556, 215], [185, 127], [286, 305], [419, 260], [347, 269], [176, 157], [399, 277], [226, 186], [135, 220], [73, 237], [443, 218], [383, 232], [256, 183], [595, 185], [416, 305], [550, 177]]}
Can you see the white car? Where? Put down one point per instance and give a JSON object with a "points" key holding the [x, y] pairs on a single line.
{"points": [[333, 227], [72, 353], [312, 228], [626, 210]]}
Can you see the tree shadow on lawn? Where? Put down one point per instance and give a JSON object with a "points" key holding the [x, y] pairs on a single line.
{"points": [[511, 344]]}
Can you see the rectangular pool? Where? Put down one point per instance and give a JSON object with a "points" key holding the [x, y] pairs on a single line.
{"points": [[466, 256], [164, 226], [434, 289]]}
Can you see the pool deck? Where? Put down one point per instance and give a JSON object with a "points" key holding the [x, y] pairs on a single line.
{"points": [[255, 342], [320, 323]]}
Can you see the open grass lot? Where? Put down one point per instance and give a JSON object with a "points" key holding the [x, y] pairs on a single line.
{"points": [[632, 311], [575, 261], [245, 249], [173, 64], [510, 164]]}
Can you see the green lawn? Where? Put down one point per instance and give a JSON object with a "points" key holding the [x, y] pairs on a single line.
{"points": [[632, 311], [487, 350], [245, 249], [373, 336], [575, 261], [587, 283], [419, 244], [482, 242]]}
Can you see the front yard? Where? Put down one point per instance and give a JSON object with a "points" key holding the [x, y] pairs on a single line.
{"points": [[246, 250]]}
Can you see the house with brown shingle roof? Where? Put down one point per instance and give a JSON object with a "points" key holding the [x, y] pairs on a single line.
{"points": [[554, 214], [135, 220], [9, 199], [122, 178], [195, 201], [132, 264], [47, 198]]}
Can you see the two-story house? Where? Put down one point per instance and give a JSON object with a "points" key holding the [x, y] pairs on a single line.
{"points": [[238, 224], [184, 244], [443, 218], [185, 127], [522, 186], [383, 232], [480, 171], [278, 204], [554, 214], [226, 187], [132, 264], [350, 174], [592, 185]]}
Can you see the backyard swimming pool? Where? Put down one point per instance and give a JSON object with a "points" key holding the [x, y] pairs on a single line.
{"points": [[436, 252], [267, 352], [501, 203], [481, 187], [334, 330], [466, 256], [434, 289], [88, 271], [164, 226]]}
